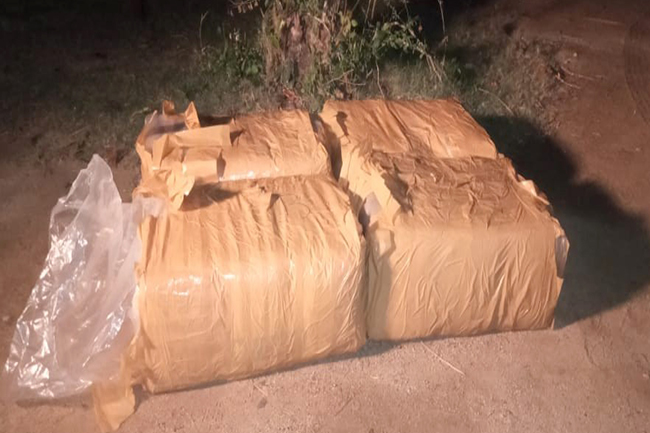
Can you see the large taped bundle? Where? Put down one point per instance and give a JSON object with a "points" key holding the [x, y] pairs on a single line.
{"points": [[259, 263], [248, 277], [458, 243]]}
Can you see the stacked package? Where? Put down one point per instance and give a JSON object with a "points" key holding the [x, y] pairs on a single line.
{"points": [[458, 243], [248, 278], [248, 253], [258, 265], [176, 153]]}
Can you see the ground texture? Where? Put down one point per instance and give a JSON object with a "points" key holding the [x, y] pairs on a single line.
{"points": [[590, 374]]}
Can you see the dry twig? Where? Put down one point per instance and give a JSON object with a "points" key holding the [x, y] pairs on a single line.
{"points": [[558, 77], [448, 364], [575, 74], [260, 390], [379, 82], [203, 15], [480, 89], [442, 17]]}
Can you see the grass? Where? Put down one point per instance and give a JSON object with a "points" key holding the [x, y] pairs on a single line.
{"points": [[69, 94]]}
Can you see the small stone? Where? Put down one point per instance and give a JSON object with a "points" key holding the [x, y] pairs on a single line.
{"points": [[646, 376], [6, 319], [262, 403]]}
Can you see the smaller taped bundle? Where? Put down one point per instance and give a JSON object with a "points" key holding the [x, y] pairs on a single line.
{"points": [[353, 130], [177, 153], [247, 277], [460, 247], [440, 128]]}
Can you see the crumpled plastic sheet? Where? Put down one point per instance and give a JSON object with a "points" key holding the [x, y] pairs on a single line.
{"points": [[79, 317]]}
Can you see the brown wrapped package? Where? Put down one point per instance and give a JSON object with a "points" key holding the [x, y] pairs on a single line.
{"points": [[458, 243], [269, 144], [460, 247], [273, 144], [248, 277], [429, 128], [440, 127]]}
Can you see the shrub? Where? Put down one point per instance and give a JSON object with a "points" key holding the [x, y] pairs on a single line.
{"points": [[316, 49]]}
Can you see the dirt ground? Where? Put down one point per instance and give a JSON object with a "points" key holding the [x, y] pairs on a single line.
{"points": [[590, 374]]}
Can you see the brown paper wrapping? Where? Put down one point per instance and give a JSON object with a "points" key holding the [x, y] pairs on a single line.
{"points": [[247, 277], [458, 243], [434, 128], [270, 144], [247, 280], [461, 247], [428, 128]]}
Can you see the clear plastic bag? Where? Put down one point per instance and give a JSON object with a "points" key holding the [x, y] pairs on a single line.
{"points": [[79, 317]]}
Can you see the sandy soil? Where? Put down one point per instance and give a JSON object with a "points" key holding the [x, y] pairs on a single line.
{"points": [[590, 374]]}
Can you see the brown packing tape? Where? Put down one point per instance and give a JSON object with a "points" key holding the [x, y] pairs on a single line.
{"points": [[247, 277], [440, 128], [353, 130], [170, 184], [274, 143], [461, 248], [113, 402], [269, 144], [459, 244], [159, 124]]}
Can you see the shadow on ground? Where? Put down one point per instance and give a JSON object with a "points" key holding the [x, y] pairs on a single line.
{"points": [[610, 247]]}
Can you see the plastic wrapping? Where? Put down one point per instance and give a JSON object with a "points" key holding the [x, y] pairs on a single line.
{"points": [[79, 317], [248, 277]]}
